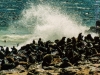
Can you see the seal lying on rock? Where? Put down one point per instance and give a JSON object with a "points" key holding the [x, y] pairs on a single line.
{"points": [[8, 63], [65, 63], [47, 59]]}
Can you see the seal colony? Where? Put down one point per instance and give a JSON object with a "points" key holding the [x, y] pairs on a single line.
{"points": [[68, 56]]}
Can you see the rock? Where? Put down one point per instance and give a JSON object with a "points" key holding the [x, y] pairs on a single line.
{"points": [[66, 72], [20, 68], [1, 73], [33, 72], [56, 59], [48, 68]]}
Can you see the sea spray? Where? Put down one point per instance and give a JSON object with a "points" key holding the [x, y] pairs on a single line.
{"points": [[46, 22]]}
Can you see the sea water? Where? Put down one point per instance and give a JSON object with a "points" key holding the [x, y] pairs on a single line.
{"points": [[22, 21]]}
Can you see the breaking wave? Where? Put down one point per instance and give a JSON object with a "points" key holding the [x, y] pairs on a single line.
{"points": [[47, 22]]}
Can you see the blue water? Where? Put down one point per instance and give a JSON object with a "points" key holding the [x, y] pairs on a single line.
{"points": [[11, 9], [22, 20]]}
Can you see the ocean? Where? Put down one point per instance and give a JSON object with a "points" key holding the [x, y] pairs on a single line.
{"points": [[22, 21]]}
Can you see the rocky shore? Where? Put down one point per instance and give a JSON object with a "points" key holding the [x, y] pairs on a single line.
{"points": [[67, 56]]}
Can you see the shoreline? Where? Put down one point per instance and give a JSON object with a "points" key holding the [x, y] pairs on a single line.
{"points": [[67, 56]]}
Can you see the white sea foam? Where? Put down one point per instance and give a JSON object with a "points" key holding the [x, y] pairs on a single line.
{"points": [[47, 22]]}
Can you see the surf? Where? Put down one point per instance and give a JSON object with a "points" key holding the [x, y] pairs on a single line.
{"points": [[46, 21]]}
